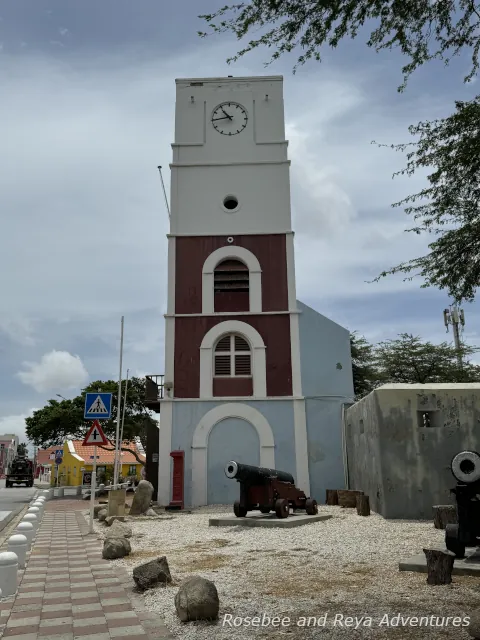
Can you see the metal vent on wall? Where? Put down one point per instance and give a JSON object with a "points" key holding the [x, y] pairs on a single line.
{"points": [[230, 276]]}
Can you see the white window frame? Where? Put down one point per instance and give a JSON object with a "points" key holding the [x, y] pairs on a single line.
{"points": [[257, 354], [232, 252], [232, 353]]}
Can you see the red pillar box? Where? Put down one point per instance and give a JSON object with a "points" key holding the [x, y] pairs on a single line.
{"points": [[177, 480]]}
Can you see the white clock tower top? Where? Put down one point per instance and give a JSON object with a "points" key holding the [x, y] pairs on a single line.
{"points": [[230, 169]]}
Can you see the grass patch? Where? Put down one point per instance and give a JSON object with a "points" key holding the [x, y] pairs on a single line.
{"points": [[204, 562]]}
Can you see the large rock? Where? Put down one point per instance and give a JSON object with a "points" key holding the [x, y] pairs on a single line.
{"points": [[141, 498], [96, 510], [152, 573], [119, 530], [114, 548], [109, 520], [474, 626], [101, 515], [197, 599]]}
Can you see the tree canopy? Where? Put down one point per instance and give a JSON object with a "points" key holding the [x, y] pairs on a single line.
{"points": [[408, 359], [450, 147], [60, 420]]}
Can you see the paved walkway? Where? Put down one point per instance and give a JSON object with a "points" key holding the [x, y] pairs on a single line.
{"points": [[68, 591]]}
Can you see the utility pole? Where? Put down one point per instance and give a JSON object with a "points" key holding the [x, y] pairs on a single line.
{"points": [[455, 316]]}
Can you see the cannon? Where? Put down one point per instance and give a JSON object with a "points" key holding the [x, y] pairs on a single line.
{"points": [[465, 467], [267, 490]]}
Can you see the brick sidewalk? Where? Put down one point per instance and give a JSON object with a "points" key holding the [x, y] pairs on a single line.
{"points": [[68, 591]]}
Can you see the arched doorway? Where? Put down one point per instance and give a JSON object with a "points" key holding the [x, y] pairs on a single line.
{"points": [[230, 439]]}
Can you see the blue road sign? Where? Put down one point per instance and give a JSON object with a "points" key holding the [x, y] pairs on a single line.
{"points": [[58, 460], [58, 453], [98, 406]]}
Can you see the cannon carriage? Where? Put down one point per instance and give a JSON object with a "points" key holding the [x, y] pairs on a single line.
{"points": [[465, 468], [267, 490]]}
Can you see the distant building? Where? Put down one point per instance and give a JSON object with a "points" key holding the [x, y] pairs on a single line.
{"points": [[401, 439], [45, 462], [8, 451], [77, 463]]}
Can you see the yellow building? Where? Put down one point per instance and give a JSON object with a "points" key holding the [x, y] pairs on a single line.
{"points": [[77, 464]]}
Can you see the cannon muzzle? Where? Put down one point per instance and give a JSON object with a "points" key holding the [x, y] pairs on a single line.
{"points": [[258, 475], [465, 467]]}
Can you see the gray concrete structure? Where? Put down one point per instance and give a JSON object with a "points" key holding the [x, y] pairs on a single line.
{"points": [[400, 441]]}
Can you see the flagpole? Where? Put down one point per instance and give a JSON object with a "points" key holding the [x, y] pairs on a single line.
{"points": [[93, 487], [119, 405], [123, 419]]}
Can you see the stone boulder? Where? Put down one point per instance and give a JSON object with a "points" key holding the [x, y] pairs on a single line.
{"points": [[197, 599], [101, 515], [141, 498], [96, 509], [119, 530], [150, 512], [109, 520], [474, 626], [151, 573], [114, 548]]}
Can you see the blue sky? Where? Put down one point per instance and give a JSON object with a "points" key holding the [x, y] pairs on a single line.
{"points": [[86, 115]]}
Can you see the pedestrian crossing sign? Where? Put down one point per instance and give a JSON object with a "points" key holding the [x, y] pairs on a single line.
{"points": [[98, 405]]}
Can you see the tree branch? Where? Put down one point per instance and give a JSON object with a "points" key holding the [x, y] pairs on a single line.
{"points": [[134, 453]]}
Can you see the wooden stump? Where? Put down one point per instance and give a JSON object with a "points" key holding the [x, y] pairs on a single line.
{"points": [[332, 497], [347, 498], [439, 566], [363, 505], [444, 514]]}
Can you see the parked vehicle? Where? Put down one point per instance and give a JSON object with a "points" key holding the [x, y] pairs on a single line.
{"points": [[20, 472]]}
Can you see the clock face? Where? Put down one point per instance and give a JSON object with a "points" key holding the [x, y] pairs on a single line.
{"points": [[229, 118]]}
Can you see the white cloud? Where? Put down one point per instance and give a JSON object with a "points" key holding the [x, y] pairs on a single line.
{"points": [[56, 370], [15, 425]]}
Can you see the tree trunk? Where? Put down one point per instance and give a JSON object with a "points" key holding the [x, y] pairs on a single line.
{"points": [[332, 497], [363, 505], [444, 514], [347, 498], [439, 566]]}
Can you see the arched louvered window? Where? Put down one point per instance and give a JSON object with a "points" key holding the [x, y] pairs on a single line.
{"points": [[232, 357], [231, 283]]}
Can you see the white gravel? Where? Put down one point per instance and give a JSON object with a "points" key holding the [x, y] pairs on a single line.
{"points": [[347, 565]]}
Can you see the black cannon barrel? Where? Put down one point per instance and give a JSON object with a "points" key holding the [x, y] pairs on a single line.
{"points": [[249, 473]]}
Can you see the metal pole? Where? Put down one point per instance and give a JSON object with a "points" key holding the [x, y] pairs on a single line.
{"points": [[93, 487], [119, 405], [123, 416], [164, 192], [458, 344]]}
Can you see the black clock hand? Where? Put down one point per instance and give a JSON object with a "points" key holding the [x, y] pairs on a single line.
{"points": [[215, 119], [230, 117]]}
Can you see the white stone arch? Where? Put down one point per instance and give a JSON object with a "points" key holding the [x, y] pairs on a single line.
{"points": [[255, 276], [259, 369], [200, 443]]}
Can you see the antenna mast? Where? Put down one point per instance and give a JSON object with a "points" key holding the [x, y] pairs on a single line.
{"points": [[456, 317], [164, 192]]}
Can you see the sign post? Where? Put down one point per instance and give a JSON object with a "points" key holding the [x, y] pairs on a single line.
{"points": [[97, 405], [94, 436]]}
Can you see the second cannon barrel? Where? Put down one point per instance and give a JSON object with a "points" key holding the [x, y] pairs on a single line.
{"points": [[249, 473]]}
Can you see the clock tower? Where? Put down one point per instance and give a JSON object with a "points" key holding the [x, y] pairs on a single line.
{"points": [[233, 382]]}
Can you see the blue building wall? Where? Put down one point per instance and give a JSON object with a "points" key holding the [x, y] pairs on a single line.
{"points": [[230, 439], [325, 452], [326, 363], [279, 413]]}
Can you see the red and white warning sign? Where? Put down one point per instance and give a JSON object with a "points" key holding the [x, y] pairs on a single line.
{"points": [[95, 435]]}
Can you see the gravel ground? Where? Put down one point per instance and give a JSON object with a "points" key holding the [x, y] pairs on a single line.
{"points": [[347, 565]]}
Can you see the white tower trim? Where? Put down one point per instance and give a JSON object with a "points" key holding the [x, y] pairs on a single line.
{"points": [[259, 370], [255, 276], [200, 443]]}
